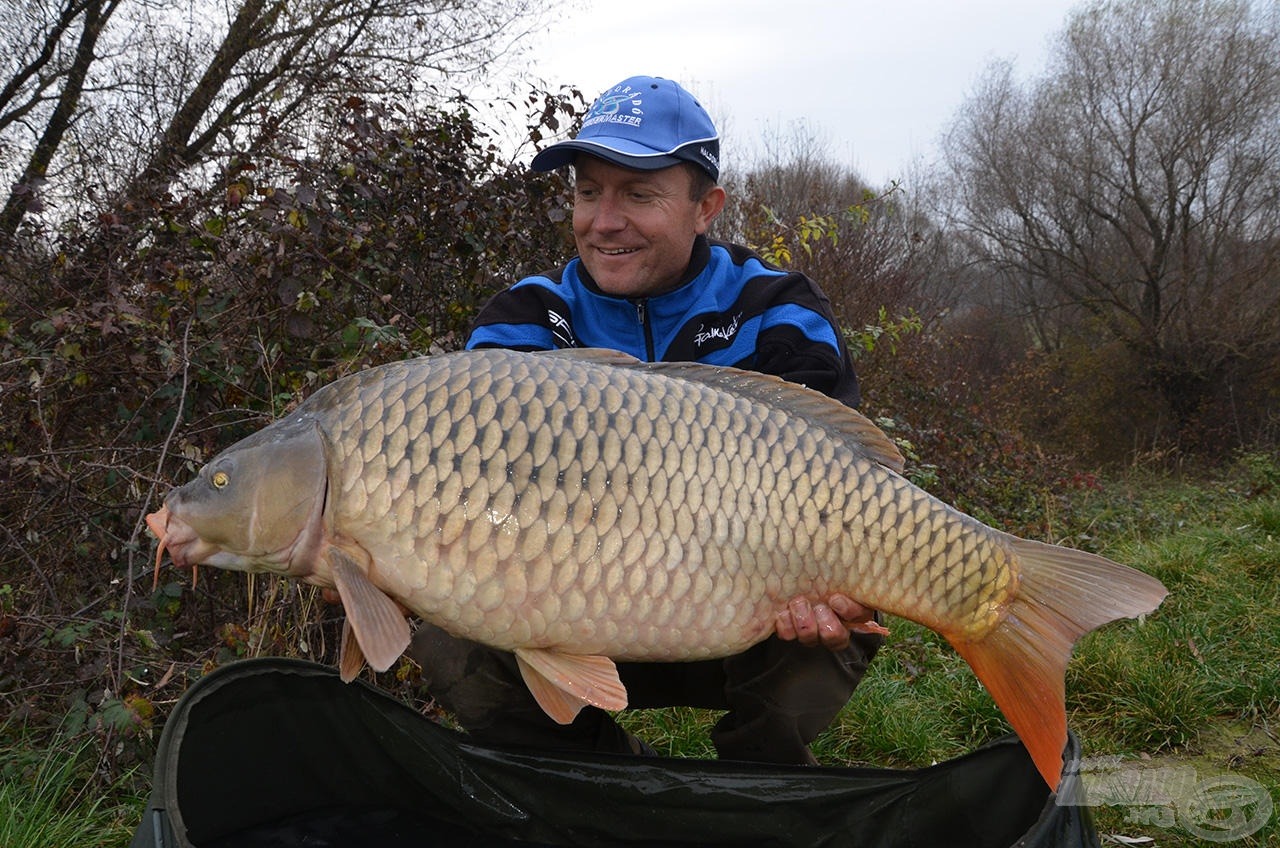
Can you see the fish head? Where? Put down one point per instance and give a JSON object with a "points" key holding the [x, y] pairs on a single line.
{"points": [[257, 506]]}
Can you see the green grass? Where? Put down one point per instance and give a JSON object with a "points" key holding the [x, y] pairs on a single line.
{"points": [[1194, 686], [51, 798]]}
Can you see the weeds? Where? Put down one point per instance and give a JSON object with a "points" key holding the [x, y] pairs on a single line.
{"points": [[1194, 685], [51, 796], [1184, 688]]}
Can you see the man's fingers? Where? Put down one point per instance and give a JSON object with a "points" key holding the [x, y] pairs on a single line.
{"points": [[827, 624], [805, 620], [831, 631], [809, 624], [849, 610], [784, 626]]}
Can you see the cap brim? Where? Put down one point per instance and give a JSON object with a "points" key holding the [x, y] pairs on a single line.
{"points": [[563, 153]]}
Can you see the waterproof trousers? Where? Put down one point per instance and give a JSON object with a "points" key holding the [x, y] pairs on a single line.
{"points": [[778, 696]]}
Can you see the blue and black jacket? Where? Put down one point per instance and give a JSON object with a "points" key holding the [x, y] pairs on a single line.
{"points": [[732, 308]]}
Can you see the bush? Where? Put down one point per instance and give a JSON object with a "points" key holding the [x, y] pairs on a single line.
{"points": [[962, 439], [137, 344]]}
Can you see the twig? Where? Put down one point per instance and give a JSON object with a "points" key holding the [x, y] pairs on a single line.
{"points": [[132, 547], [35, 566]]}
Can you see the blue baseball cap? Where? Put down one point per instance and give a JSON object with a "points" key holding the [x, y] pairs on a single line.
{"points": [[645, 123]]}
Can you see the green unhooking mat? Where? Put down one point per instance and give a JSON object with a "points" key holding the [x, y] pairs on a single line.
{"points": [[279, 752]]}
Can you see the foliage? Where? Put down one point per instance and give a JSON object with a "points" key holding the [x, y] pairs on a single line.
{"points": [[147, 340], [884, 334], [934, 393], [1095, 401], [862, 247]]}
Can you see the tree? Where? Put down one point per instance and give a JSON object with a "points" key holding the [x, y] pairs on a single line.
{"points": [[1132, 194], [153, 91], [35, 71], [803, 210]]}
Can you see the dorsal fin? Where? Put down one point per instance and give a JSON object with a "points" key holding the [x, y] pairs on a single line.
{"points": [[598, 355], [773, 391], [798, 400]]}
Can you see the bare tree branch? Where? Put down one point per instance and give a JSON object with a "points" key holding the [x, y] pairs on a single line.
{"points": [[1137, 180]]}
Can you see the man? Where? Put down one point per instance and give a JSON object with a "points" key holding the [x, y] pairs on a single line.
{"points": [[648, 282]]}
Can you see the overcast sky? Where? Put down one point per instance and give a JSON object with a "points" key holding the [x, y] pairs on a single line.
{"points": [[875, 81]]}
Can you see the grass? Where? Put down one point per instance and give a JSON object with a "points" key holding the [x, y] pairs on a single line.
{"points": [[1194, 686], [1192, 690], [50, 796]]}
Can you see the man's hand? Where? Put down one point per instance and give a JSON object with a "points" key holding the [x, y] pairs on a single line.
{"points": [[828, 625]]}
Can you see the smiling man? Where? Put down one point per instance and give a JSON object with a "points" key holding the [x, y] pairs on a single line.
{"points": [[649, 282], [635, 230]]}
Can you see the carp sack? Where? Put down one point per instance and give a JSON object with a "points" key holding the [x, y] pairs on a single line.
{"points": [[580, 507]]}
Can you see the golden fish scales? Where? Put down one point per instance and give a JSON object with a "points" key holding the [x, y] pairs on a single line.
{"points": [[647, 485]]}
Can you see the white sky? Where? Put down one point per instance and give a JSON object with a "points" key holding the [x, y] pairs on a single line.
{"points": [[876, 81]]}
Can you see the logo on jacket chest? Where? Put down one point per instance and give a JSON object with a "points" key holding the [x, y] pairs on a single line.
{"points": [[724, 331], [561, 329]]}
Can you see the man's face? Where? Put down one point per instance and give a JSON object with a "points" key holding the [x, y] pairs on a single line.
{"points": [[635, 229]]}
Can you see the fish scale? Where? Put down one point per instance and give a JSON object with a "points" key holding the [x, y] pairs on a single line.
{"points": [[582, 507]]}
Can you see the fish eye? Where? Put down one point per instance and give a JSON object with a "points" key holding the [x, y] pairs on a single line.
{"points": [[220, 479]]}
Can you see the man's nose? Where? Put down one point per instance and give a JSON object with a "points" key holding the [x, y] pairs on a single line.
{"points": [[609, 215]]}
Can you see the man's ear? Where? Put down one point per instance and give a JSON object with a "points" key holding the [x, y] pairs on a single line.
{"points": [[709, 207]]}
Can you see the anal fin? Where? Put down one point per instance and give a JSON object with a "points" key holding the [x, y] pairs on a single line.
{"points": [[563, 684]]}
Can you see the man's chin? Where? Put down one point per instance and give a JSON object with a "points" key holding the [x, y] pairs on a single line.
{"points": [[617, 284]]}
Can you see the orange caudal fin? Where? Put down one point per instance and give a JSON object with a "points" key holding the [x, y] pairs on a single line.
{"points": [[1062, 595]]}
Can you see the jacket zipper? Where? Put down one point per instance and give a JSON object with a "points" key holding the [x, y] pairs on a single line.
{"points": [[642, 315]]}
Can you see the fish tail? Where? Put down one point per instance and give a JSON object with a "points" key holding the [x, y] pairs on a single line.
{"points": [[1062, 595]]}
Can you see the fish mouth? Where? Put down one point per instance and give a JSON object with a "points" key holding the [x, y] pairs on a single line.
{"points": [[185, 548]]}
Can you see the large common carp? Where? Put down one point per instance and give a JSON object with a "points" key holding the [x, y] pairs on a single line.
{"points": [[581, 507]]}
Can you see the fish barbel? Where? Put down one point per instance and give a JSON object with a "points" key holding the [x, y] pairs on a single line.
{"points": [[580, 507]]}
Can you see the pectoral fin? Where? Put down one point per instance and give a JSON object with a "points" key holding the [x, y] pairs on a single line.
{"points": [[563, 684], [380, 631]]}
